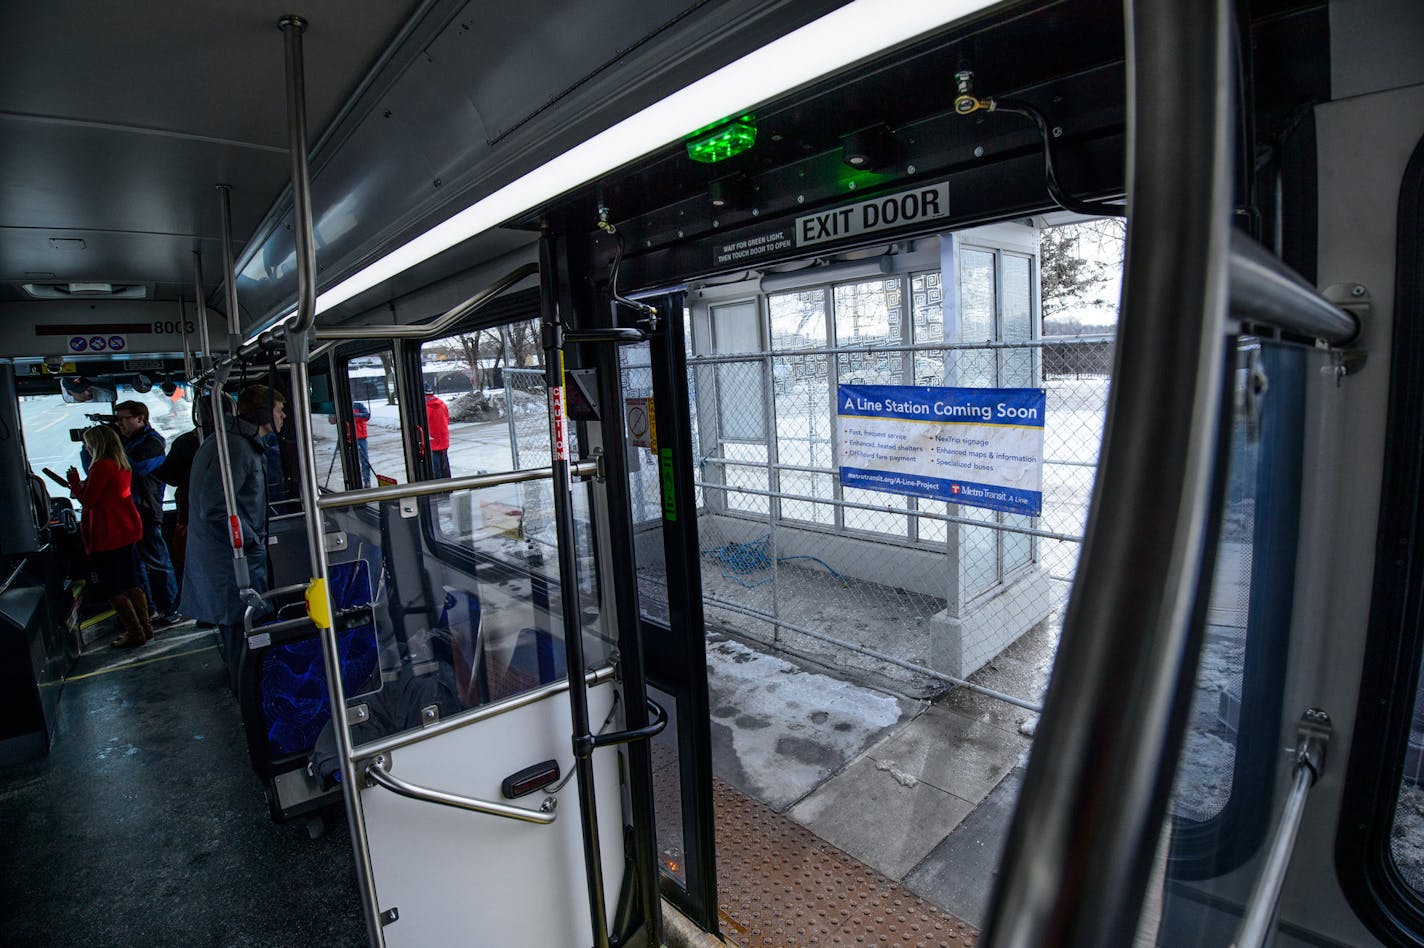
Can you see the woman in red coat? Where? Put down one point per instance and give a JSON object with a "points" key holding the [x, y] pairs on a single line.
{"points": [[111, 527]]}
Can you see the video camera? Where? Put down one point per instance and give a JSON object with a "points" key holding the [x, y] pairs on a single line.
{"points": [[77, 434]]}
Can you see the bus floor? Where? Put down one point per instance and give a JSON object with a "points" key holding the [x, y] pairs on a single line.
{"points": [[146, 825]]}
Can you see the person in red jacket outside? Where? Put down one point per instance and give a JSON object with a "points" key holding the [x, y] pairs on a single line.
{"points": [[437, 418], [111, 529]]}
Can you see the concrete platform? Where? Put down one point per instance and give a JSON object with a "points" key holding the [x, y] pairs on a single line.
{"points": [[919, 792]]}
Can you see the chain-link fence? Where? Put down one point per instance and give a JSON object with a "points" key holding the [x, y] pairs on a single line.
{"points": [[913, 592]]}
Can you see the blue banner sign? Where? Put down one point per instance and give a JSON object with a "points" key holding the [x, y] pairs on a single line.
{"points": [[977, 446]]}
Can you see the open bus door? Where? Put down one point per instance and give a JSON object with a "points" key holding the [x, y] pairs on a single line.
{"points": [[474, 809]]}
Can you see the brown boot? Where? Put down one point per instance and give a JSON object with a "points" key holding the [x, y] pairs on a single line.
{"points": [[140, 604], [128, 619]]}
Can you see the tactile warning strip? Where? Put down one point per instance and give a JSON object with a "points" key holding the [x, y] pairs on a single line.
{"points": [[781, 886]]}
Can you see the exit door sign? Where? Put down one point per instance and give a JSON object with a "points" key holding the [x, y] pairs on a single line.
{"points": [[914, 206]]}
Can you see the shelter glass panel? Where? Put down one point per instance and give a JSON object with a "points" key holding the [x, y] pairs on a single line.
{"points": [[1016, 365], [798, 320], [803, 413], [869, 312], [979, 551], [977, 318], [735, 328], [927, 308]]}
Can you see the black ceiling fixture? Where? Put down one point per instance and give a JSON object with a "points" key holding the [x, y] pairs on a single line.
{"points": [[733, 192], [869, 148]]}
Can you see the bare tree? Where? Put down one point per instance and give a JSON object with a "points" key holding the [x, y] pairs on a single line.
{"points": [[1075, 261]]}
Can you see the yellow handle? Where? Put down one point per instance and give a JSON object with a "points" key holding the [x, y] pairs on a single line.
{"points": [[318, 603]]}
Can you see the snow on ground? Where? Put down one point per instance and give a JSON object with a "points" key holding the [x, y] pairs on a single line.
{"points": [[1407, 839], [789, 728]]}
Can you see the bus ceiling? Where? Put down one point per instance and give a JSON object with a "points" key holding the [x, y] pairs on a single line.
{"points": [[418, 109]]}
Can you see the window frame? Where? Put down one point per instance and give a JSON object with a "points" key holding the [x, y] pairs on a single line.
{"points": [[1394, 646]]}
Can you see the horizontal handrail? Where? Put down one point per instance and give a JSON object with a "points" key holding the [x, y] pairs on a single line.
{"points": [[441, 323], [285, 625], [376, 772], [446, 485], [1313, 735], [1264, 290], [272, 337], [473, 716]]}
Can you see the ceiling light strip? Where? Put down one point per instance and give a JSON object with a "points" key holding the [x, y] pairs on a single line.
{"points": [[860, 29]]}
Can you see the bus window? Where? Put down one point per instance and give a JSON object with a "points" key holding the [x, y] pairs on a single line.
{"points": [[491, 383]]}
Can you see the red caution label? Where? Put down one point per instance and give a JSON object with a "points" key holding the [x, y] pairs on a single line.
{"points": [[559, 422], [236, 526]]}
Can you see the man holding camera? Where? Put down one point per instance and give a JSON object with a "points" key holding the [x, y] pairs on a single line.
{"points": [[145, 449]]}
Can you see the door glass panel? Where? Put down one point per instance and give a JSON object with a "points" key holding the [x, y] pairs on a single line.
{"points": [[1407, 835], [1207, 769], [372, 383], [459, 633], [667, 792]]}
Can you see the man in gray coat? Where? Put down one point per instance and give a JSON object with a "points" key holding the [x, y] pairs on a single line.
{"points": [[210, 592]]}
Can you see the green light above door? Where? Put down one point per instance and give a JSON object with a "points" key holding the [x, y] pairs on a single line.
{"points": [[723, 139]]}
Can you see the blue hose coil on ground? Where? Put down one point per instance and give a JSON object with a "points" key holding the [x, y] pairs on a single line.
{"points": [[741, 559]]}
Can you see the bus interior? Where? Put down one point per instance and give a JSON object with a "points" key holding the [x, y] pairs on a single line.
{"points": [[754, 472]]}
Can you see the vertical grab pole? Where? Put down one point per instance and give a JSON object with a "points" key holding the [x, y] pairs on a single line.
{"points": [[1089, 816], [299, 357], [569, 586], [234, 322], [200, 313], [189, 371], [293, 27], [215, 395]]}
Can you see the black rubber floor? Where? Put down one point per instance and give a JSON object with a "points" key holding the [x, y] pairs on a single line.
{"points": [[146, 825]]}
